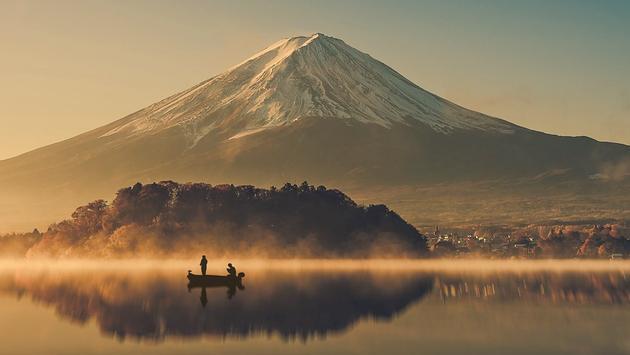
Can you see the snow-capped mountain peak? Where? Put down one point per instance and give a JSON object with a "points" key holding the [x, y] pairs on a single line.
{"points": [[303, 77]]}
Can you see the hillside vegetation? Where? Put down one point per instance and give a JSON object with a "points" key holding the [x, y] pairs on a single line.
{"points": [[168, 219]]}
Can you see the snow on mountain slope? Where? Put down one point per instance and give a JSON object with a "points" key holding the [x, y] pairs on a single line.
{"points": [[299, 77]]}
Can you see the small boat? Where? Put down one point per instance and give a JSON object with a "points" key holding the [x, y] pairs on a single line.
{"points": [[214, 280]]}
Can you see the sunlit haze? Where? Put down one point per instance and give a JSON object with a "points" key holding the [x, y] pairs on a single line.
{"points": [[70, 66]]}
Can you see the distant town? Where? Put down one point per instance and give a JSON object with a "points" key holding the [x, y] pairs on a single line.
{"points": [[574, 241]]}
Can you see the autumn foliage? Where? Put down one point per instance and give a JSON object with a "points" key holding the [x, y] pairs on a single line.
{"points": [[169, 219]]}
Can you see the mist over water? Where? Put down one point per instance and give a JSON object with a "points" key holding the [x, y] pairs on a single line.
{"points": [[322, 305]]}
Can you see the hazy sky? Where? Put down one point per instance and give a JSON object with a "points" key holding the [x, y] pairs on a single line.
{"points": [[556, 66]]}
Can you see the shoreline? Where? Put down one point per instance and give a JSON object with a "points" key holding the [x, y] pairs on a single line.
{"points": [[430, 265]]}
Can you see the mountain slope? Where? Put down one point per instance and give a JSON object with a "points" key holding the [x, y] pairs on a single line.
{"points": [[305, 108], [299, 77]]}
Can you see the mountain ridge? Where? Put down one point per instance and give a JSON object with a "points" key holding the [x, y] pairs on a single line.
{"points": [[301, 77]]}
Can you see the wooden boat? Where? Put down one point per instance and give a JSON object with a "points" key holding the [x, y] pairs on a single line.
{"points": [[214, 280]]}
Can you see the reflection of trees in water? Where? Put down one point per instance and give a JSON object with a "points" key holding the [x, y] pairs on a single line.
{"points": [[155, 305], [151, 306], [601, 288]]}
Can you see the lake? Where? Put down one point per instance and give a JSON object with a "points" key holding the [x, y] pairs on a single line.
{"points": [[315, 307]]}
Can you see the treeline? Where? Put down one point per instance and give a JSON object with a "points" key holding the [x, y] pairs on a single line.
{"points": [[536, 241], [168, 219], [576, 241], [16, 245], [596, 241], [603, 241]]}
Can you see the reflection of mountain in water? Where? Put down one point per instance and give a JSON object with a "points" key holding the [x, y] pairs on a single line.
{"points": [[154, 306]]}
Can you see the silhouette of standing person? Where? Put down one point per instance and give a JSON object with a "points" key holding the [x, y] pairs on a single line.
{"points": [[203, 298], [204, 264]]}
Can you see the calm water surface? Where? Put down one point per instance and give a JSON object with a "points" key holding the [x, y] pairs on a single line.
{"points": [[129, 309]]}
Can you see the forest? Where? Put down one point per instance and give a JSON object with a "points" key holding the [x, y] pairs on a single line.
{"points": [[169, 219]]}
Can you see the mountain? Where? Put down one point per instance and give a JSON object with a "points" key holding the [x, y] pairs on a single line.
{"points": [[310, 108], [298, 78]]}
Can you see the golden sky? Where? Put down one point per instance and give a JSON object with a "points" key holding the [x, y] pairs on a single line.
{"points": [[70, 66]]}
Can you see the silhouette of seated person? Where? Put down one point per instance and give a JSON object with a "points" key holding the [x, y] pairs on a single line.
{"points": [[231, 291], [231, 270], [204, 264]]}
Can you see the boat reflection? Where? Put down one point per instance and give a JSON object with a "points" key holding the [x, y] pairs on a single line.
{"points": [[215, 282], [203, 298]]}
